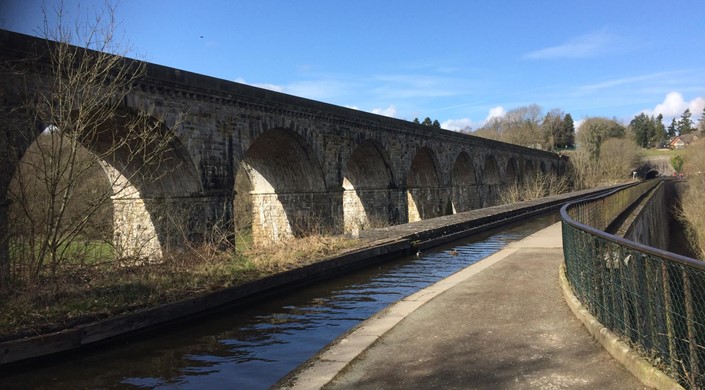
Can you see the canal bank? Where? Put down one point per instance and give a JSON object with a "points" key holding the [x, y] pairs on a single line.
{"points": [[380, 244], [499, 323]]}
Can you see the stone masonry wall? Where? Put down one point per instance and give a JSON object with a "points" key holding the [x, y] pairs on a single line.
{"points": [[216, 122]]}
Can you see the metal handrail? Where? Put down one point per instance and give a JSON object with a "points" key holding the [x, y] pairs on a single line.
{"points": [[650, 297], [565, 217]]}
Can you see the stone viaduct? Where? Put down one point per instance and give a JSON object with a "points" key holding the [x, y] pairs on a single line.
{"points": [[307, 165]]}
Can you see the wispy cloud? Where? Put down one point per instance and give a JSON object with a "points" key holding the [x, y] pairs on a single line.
{"points": [[625, 81], [404, 86], [311, 89], [584, 46]]}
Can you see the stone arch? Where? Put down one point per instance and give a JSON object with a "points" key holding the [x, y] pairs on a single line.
{"points": [[490, 174], [284, 181], [491, 181], [529, 172], [423, 186], [160, 207], [144, 176], [542, 167], [463, 180], [367, 181], [511, 177]]}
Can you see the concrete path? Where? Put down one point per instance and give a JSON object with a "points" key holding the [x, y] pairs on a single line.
{"points": [[499, 324]]}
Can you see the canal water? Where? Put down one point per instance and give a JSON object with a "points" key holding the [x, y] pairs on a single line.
{"points": [[255, 346]]}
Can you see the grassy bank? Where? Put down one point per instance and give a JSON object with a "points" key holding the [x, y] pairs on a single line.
{"points": [[86, 293]]}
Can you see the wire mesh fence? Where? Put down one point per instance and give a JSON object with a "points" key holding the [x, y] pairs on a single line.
{"points": [[653, 299]]}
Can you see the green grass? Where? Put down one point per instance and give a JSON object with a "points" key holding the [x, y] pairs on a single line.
{"points": [[661, 152], [75, 252], [243, 240]]}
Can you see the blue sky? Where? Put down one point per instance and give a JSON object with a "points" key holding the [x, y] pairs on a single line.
{"points": [[456, 61]]}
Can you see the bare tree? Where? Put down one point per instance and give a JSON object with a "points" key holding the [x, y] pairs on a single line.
{"points": [[78, 106], [519, 126], [618, 158]]}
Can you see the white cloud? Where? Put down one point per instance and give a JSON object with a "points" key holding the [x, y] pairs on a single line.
{"points": [[577, 124], [457, 124], [498, 111], [674, 104], [585, 46], [390, 111], [271, 87]]}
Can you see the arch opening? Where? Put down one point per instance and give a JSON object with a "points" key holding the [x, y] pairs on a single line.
{"points": [[366, 189], [424, 196], [93, 190], [511, 177], [464, 191], [529, 172], [491, 181], [280, 191]]}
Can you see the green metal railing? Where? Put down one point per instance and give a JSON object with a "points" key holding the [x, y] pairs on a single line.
{"points": [[653, 299]]}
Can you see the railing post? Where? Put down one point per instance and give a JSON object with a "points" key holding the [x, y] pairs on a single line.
{"points": [[671, 334], [690, 321]]}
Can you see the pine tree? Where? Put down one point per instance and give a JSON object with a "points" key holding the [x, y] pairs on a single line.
{"points": [[672, 128], [567, 135], [427, 122], [659, 130], [436, 124], [685, 125]]}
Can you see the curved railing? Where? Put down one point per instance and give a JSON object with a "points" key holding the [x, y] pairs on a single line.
{"points": [[653, 299]]}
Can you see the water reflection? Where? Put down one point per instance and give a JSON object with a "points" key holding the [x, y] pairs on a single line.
{"points": [[254, 347]]}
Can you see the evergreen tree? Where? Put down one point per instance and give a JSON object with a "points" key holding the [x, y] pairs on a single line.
{"points": [[672, 128], [416, 120], [436, 124], [640, 126], [685, 125], [701, 124], [567, 134], [427, 122], [659, 131]]}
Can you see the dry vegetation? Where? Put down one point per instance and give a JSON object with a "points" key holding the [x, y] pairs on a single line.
{"points": [[102, 290], [611, 162], [539, 186], [693, 207]]}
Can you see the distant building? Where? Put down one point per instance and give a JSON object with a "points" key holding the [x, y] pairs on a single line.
{"points": [[682, 141]]}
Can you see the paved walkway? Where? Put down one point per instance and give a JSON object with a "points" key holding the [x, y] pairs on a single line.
{"points": [[499, 324]]}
